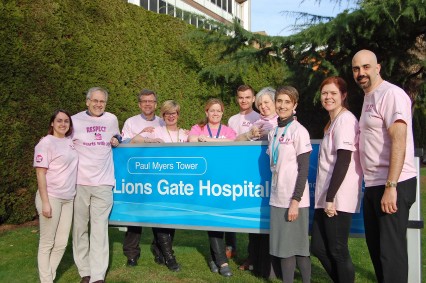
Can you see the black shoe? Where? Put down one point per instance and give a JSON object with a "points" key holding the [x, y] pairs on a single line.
{"points": [[132, 262], [225, 271], [173, 265], [158, 257], [213, 267], [85, 279]]}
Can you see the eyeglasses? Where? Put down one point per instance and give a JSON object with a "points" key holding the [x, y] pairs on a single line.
{"points": [[171, 114], [148, 101], [95, 101]]}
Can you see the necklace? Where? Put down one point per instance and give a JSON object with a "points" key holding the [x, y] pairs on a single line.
{"points": [[332, 120], [177, 140]]}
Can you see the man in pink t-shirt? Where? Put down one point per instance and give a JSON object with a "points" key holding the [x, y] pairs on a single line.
{"points": [[135, 130], [387, 159], [241, 124], [93, 131]]}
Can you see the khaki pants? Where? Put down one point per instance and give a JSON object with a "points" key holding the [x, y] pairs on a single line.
{"points": [[91, 252], [54, 234]]}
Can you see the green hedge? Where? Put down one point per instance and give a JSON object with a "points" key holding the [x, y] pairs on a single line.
{"points": [[51, 52]]}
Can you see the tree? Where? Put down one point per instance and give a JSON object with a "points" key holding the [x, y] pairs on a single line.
{"points": [[394, 29]]}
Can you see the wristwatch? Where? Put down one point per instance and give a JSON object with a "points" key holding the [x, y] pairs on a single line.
{"points": [[390, 184]]}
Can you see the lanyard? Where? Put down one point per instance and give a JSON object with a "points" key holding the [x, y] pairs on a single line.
{"points": [[275, 148], [218, 131]]}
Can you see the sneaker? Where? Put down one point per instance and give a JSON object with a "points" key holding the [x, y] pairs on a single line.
{"points": [[158, 256], [225, 271], [132, 262], [172, 265], [247, 265], [213, 267], [230, 252]]}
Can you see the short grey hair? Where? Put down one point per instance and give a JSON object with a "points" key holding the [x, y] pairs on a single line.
{"points": [[264, 91], [93, 89]]}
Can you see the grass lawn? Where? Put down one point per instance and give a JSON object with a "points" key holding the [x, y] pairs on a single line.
{"points": [[18, 249]]}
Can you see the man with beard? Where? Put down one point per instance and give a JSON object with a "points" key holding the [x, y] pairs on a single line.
{"points": [[387, 159]]}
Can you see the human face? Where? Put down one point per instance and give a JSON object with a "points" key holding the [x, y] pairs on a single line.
{"points": [[266, 106], [245, 100], [148, 104], [284, 106], [331, 98], [171, 117], [365, 70], [60, 125], [214, 114], [96, 103]]}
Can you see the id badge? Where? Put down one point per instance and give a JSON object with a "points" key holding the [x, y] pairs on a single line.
{"points": [[274, 180]]}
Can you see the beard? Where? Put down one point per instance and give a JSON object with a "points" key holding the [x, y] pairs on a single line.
{"points": [[363, 85]]}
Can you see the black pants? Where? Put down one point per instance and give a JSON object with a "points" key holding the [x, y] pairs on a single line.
{"points": [[386, 234], [217, 247], [131, 241], [231, 240], [329, 243]]}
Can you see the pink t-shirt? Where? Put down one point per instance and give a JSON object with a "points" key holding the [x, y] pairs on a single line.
{"points": [[284, 174], [343, 133], [170, 136], [225, 132], [92, 136], [134, 125], [60, 158], [242, 123], [266, 123], [381, 108]]}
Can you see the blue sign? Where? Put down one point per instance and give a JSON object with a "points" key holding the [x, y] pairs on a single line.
{"points": [[198, 186]]}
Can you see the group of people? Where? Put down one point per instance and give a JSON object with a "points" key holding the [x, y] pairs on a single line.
{"points": [[75, 176]]}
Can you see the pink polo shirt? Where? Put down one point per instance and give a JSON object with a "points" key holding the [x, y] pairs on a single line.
{"points": [[284, 174], [170, 136], [241, 123], [92, 136], [382, 107], [343, 133], [60, 158], [225, 132]]}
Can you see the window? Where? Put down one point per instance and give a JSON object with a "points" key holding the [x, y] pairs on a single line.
{"points": [[219, 3], [179, 13], [230, 6], [162, 9], [170, 10], [193, 20], [153, 5], [144, 4]]}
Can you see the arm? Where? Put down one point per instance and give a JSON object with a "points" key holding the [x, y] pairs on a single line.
{"points": [[46, 209], [398, 134], [253, 134], [302, 176], [339, 172], [192, 138]]}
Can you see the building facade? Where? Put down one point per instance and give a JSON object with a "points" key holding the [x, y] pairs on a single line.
{"points": [[224, 11]]}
